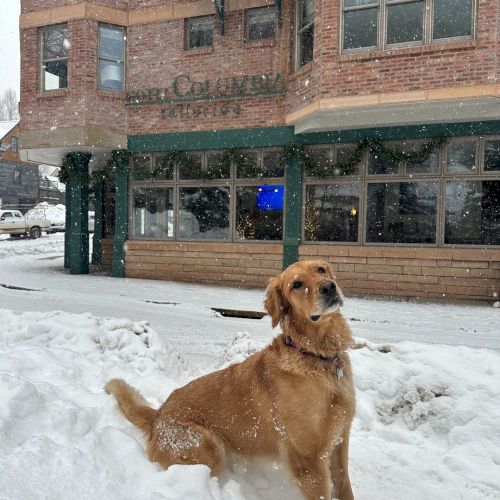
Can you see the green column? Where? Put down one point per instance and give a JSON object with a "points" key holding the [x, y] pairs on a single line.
{"points": [[78, 212], [293, 204], [67, 225], [96, 241], [120, 160]]}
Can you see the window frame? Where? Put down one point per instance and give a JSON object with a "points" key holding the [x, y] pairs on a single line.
{"points": [[187, 22], [382, 21], [100, 58], [441, 176], [299, 29], [232, 182], [43, 61]]}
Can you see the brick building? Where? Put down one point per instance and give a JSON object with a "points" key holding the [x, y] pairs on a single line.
{"points": [[256, 133]]}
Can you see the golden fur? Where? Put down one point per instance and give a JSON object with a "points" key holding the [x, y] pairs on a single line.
{"points": [[280, 402]]}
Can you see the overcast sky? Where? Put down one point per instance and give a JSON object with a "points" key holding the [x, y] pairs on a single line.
{"points": [[9, 45]]}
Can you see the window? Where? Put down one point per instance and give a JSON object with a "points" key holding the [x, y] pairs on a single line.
{"points": [[111, 57], [472, 212], [451, 198], [199, 32], [260, 24], [14, 144], [54, 61], [401, 212], [305, 32], [18, 177], [178, 204], [152, 213], [378, 24], [332, 212]]}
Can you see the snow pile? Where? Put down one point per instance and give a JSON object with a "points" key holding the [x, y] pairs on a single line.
{"points": [[47, 244], [426, 423], [56, 214]]}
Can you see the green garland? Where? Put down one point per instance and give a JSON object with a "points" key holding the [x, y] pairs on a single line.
{"points": [[220, 169], [391, 156]]}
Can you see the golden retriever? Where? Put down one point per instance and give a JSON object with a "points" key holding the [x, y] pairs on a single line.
{"points": [[294, 400]]}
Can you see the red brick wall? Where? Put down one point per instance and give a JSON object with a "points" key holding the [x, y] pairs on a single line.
{"points": [[459, 273], [241, 264], [157, 56], [78, 105]]}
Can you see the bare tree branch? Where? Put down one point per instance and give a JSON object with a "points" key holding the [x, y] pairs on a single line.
{"points": [[8, 105]]}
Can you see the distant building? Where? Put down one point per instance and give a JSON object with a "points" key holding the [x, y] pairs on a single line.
{"points": [[205, 97], [9, 140]]}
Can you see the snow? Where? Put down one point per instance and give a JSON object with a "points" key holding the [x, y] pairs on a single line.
{"points": [[426, 375], [55, 213]]}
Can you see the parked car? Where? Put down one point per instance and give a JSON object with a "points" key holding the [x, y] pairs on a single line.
{"points": [[14, 223]]}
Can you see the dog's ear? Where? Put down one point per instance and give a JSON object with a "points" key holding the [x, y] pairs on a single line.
{"points": [[274, 302]]}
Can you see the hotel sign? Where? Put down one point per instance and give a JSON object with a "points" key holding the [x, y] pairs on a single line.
{"points": [[184, 89]]}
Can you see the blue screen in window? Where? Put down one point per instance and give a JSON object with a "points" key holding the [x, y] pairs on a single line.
{"points": [[270, 197]]}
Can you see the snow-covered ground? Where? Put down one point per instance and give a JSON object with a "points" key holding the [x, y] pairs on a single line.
{"points": [[428, 391]]}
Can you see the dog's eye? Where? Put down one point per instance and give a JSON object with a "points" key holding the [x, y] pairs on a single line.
{"points": [[297, 284], [321, 270]]}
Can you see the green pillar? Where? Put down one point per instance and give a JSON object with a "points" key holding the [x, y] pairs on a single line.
{"points": [[67, 225], [78, 212], [96, 241], [293, 204], [120, 160]]}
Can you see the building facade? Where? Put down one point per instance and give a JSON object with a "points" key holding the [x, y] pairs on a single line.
{"points": [[254, 133]]}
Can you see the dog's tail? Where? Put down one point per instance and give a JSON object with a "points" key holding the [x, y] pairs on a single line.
{"points": [[132, 404]]}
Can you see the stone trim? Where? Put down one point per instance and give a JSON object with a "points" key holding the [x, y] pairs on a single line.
{"points": [[417, 96], [85, 10]]}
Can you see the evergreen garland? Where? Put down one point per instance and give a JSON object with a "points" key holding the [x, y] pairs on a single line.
{"points": [[221, 168]]}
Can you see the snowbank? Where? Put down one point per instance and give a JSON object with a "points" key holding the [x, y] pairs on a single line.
{"points": [[426, 424], [47, 244]]}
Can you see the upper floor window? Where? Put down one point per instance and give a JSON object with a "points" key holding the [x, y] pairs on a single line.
{"points": [[378, 24], [260, 24], [112, 57], [199, 32], [13, 145], [305, 32], [54, 61]]}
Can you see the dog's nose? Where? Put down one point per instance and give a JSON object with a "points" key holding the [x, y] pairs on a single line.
{"points": [[327, 287]]}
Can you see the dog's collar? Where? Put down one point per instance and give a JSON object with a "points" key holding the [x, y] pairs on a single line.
{"points": [[337, 360]]}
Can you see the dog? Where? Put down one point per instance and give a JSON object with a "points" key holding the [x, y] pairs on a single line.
{"points": [[293, 401]]}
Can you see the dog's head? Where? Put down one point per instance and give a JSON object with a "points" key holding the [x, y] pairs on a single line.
{"points": [[306, 290]]}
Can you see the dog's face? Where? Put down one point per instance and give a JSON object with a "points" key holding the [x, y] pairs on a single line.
{"points": [[306, 289]]}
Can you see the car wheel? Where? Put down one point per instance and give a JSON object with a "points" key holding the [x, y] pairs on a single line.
{"points": [[35, 233]]}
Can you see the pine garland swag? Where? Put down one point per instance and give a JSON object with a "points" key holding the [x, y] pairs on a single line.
{"points": [[220, 169]]}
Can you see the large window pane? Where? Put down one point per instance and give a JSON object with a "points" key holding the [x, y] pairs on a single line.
{"points": [[259, 212], [472, 212], [111, 75], [141, 166], [260, 24], [405, 22], [306, 45], [193, 170], [199, 32], [431, 165], [111, 43], [204, 213], [492, 155], [360, 28], [377, 165], [152, 213], [332, 212], [461, 157], [401, 212], [55, 45], [452, 18]]}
